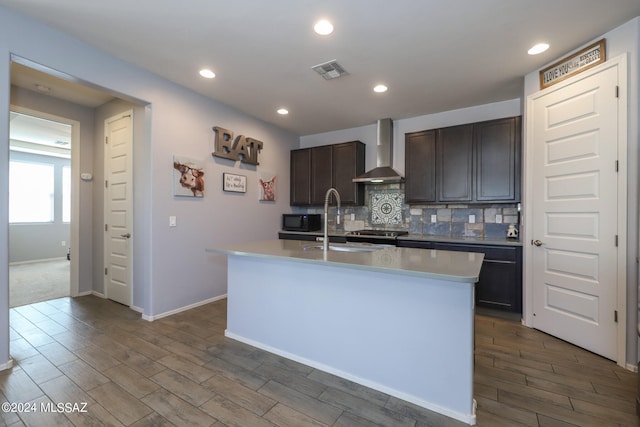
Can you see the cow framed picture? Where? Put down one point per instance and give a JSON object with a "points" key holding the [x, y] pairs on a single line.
{"points": [[188, 177], [267, 186]]}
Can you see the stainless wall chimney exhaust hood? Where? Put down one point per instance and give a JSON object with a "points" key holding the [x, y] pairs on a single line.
{"points": [[383, 173]]}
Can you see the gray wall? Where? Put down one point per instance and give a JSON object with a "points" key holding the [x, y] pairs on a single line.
{"points": [[36, 241]]}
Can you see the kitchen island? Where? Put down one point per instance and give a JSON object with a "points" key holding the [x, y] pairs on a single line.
{"points": [[398, 320]]}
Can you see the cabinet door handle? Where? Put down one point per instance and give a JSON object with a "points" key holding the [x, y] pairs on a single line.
{"points": [[536, 242], [126, 235]]}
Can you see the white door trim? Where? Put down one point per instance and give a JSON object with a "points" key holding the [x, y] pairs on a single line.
{"points": [[526, 234], [74, 226]]}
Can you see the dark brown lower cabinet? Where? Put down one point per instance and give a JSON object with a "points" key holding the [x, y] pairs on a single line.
{"points": [[500, 283]]}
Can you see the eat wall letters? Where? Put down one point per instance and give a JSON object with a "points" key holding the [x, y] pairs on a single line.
{"points": [[241, 148]]}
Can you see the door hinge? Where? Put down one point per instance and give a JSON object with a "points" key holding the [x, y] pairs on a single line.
{"points": [[617, 165], [616, 240], [106, 183], [105, 271], [106, 227], [615, 316], [617, 91], [106, 139]]}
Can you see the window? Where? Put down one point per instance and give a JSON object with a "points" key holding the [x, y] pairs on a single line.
{"points": [[31, 187]]}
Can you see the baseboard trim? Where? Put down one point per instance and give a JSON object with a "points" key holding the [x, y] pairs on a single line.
{"points": [[181, 309], [98, 294], [7, 365], [35, 261]]}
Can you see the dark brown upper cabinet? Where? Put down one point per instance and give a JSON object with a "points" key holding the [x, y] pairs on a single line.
{"points": [[454, 150], [317, 169], [420, 166], [497, 151], [321, 173], [348, 163], [473, 163], [300, 165]]}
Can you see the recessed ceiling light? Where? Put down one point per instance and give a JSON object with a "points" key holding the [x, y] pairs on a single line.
{"points": [[283, 111], [539, 48], [207, 73], [380, 88], [323, 27]]}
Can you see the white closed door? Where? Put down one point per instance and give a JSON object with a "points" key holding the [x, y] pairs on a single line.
{"points": [[575, 211], [118, 208]]}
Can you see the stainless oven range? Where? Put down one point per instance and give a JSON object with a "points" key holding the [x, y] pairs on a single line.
{"points": [[379, 237]]}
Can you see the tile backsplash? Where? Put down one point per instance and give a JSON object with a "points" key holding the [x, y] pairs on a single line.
{"points": [[385, 208], [462, 220]]}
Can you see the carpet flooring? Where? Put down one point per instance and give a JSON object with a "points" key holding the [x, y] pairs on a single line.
{"points": [[38, 281]]}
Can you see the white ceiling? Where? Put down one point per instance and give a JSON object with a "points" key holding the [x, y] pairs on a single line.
{"points": [[433, 55]]}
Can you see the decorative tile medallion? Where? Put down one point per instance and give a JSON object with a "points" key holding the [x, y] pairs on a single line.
{"points": [[386, 208]]}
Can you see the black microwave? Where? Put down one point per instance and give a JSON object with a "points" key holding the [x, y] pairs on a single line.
{"points": [[301, 222]]}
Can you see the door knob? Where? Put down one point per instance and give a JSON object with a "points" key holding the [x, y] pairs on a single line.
{"points": [[126, 235], [536, 242]]}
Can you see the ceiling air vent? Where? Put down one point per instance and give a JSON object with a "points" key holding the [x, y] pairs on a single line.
{"points": [[329, 70]]}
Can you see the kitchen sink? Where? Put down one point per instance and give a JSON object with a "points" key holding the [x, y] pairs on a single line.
{"points": [[348, 248]]}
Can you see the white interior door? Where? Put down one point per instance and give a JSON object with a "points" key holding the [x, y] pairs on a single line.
{"points": [[118, 207], [575, 218]]}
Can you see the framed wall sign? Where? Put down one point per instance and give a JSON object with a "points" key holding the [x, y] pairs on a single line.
{"points": [[234, 183], [573, 64]]}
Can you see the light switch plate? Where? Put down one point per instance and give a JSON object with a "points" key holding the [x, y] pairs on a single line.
{"points": [[498, 219], [172, 221], [472, 219], [434, 218]]}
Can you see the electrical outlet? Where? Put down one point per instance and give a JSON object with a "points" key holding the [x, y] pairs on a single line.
{"points": [[498, 219], [434, 218], [353, 217], [472, 219]]}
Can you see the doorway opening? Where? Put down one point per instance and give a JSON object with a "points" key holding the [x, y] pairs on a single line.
{"points": [[40, 162]]}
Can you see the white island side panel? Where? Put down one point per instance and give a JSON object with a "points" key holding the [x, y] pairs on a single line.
{"points": [[410, 337]]}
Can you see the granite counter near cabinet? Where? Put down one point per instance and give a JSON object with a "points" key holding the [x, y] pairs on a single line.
{"points": [[398, 320], [340, 236]]}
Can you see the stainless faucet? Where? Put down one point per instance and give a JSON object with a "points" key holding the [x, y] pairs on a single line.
{"points": [[325, 240]]}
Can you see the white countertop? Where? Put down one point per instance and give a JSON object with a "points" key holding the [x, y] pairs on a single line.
{"points": [[437, 264]]}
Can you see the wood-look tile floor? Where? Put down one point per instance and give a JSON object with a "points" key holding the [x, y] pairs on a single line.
{"points": [[182, 371]]}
